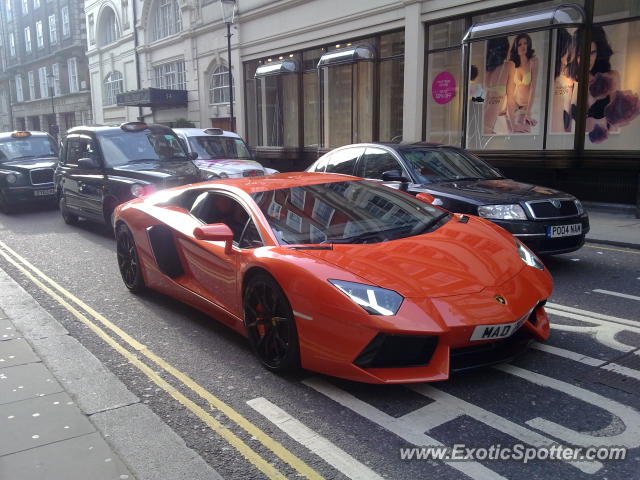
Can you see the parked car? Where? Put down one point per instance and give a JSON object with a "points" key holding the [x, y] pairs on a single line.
{"points": [[548, 221], [103, 166], [27, 162], [221, 154], [339, 275]]}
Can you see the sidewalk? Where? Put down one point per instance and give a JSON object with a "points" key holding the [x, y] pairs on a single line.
{"points": [[64, 416], [613, 226]]}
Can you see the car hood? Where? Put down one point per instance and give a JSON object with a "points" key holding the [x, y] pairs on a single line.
{"points": [[154, 171], [233, 167], [501, 190], [458, 258], [29, 164]]}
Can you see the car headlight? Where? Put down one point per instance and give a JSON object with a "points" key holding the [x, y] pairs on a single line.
{"points": [[502, 212], [374, 300], [579, 206], [528, 256], [138, 190], [11, 178]]}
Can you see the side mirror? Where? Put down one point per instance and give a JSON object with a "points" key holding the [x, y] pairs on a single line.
{"points": [[426, 197], [88, 163], [192, 155], [216, 232], [394, 176]]}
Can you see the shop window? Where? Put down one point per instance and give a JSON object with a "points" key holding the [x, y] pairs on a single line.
{"points": [[251, 102], [446, 34], [391, 80], [613, 103], [444, 97], [347, 91], [277, 101]]}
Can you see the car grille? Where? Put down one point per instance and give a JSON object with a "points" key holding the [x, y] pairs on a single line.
{"points": [[389, 351], [40, 176], [476, 356], [543, 209]]}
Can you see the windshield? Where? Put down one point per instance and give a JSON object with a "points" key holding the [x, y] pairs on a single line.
{"points": [[346, 212], [446, 164], [120, 147], [27, 147], [210, 147]]}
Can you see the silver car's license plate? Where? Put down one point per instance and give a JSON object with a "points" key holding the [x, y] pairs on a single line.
{"points": [[44, 193], [557, 231]]}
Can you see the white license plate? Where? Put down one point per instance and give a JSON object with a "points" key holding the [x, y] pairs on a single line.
{"points": [[44, 193], [557, 231], [495, 332]]}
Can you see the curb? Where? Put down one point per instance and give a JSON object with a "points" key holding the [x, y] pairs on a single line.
{"points": [[613, 243]]}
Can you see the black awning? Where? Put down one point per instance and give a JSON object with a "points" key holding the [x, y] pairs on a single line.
{"points": [[153, 97]]}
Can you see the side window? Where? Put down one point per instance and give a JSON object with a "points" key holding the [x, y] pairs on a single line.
{"points": [[212, 208], [344, 161], [80, 147], [322, 164], [375, 162]]}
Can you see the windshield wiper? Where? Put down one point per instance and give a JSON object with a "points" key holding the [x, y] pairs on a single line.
{"points": [[431, 223], [365, 235]]}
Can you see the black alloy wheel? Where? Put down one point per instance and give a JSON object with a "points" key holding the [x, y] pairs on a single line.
{"points": [[128, 260], [270, 324], [68, 217]]}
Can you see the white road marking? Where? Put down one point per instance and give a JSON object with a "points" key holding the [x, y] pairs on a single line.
{"points": [[587, 313], [629, 436], [594, 362], [333, 455], [405, 430], [617, 294]]}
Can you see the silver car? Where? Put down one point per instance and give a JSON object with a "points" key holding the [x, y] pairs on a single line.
{"points": [[221, 154]]}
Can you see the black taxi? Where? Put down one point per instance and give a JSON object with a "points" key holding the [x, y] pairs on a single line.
{"points": [[27, 162], [103, 166]]}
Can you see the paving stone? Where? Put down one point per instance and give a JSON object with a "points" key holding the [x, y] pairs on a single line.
{"points": [[80, 458], [40, 421], [26, 381], [16, 352], [7, 331]]}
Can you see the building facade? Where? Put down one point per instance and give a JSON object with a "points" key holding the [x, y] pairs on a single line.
{"points": [[504, 78], [44, 43]]}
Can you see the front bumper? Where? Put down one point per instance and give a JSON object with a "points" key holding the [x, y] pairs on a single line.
{"points": [[534, 234], [27, 193], [428, 339]]}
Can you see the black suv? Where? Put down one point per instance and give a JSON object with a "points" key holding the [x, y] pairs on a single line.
{"points": [[27, 161], [547, 221], [103, 166]]}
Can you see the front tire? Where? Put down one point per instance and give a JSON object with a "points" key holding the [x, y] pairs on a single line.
{"points": [[270, 324], [128, 261], [5, 206]]}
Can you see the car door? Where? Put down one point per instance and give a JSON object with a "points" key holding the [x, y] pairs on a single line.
{"points": [[90, 181], [212, 273], [74, 179], [376, 161]]}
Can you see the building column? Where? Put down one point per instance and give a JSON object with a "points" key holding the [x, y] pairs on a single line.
{"points": [[412, 112]]}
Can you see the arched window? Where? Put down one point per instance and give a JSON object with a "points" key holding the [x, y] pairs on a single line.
{"points": [[113, 85], [219, 85], [108, 31], [166, 19]]}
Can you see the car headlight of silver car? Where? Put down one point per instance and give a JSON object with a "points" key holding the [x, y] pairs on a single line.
{"points": [[528, 256], [502, 212], [374, 300], [579, 206], [11, 178]]}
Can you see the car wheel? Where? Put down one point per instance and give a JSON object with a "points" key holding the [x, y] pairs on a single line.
{"points": [[128, 261], [68, 217], [270, 324], [5, 206]]}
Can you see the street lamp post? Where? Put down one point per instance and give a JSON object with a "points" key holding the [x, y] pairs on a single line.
{"points": [[53, 127], [228, 13]]}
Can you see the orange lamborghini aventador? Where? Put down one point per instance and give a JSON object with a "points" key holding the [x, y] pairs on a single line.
{"points": [[339, 275]]}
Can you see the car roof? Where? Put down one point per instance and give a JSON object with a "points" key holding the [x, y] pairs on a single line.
{"points": [[278, 181], [396, 146], [34, 133], [109, 127], [201, 132]]}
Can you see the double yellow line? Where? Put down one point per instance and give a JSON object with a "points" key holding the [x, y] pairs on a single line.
{"points": [[68, 300]]}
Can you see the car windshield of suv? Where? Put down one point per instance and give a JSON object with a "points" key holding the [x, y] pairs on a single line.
{"points": [[210, 147], [446, 165], [346, 212], [27, 147], [120, 147]]}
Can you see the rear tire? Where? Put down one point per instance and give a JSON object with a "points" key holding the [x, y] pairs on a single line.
{"points": [[68, 217], [270, 324], [128, 260]]}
